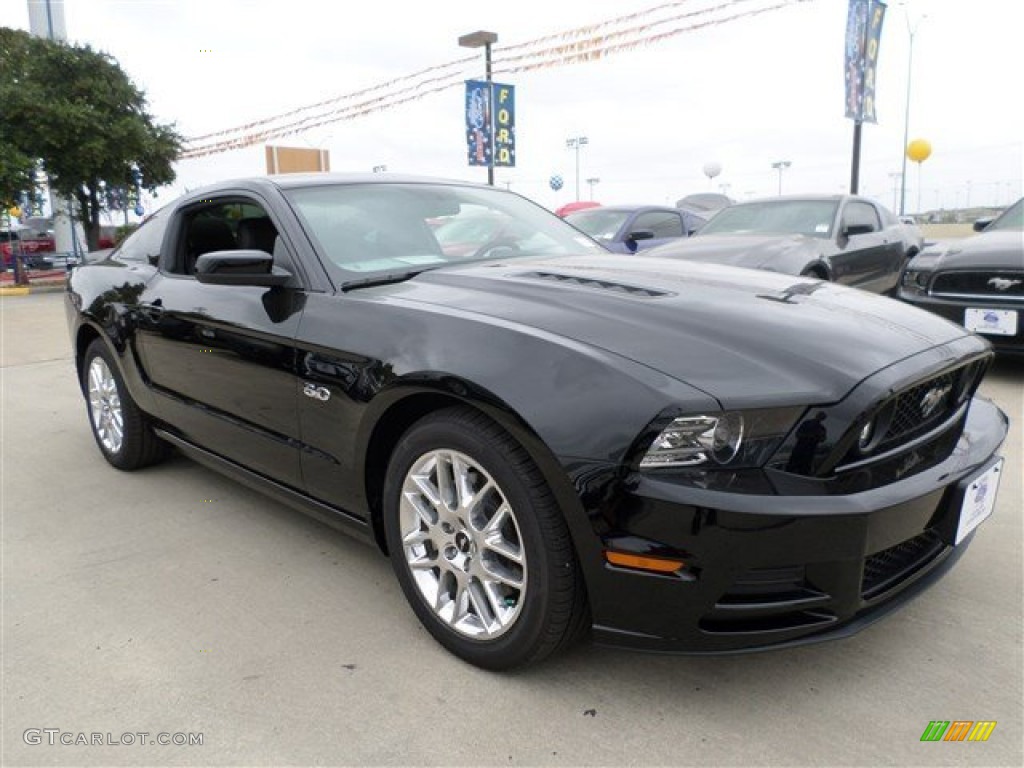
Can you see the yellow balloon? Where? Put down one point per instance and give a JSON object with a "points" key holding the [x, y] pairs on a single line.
{"points": [[919, 150], [15, 212]]}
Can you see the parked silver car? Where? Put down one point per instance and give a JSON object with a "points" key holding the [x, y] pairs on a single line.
{"points": [[842, 238]]}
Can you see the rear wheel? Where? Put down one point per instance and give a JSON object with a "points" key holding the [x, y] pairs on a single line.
{"points": [[122, 431], [479, 546]]}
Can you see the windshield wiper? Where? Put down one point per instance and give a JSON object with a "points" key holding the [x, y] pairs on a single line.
{"points": [[391, 277]]}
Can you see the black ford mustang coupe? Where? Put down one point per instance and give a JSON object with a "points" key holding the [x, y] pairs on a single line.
{"points": [[977, 281], [546, 438]]}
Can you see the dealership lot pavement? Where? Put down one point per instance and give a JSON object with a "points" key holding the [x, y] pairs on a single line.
{"points": [[174, 601]]}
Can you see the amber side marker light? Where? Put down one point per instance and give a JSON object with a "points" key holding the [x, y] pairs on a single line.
{"points": [[655, 564]]}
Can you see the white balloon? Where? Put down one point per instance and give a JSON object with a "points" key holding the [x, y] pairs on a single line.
{"points": [[712, 169]]}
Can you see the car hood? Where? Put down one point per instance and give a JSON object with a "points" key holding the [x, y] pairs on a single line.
{"points": [[753, 251], [742, 336], [988, 250]]}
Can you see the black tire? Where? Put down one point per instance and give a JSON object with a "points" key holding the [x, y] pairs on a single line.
{"points": [[138, 446], [549, 612]]}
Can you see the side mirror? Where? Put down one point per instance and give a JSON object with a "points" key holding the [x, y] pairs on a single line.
{"points": [[640, 234], [240, 268], [849, 230], [982, 224]]}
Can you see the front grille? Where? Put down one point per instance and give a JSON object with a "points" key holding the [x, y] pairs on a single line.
{"points": [[914, 429], [920, 408], [989, 284], [884, 570]]}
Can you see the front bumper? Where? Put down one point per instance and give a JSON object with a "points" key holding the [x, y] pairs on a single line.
{"points": [[953, 309], [765, 571]]}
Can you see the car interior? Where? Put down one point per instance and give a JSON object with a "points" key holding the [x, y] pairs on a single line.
{"points": [[229, 227]]}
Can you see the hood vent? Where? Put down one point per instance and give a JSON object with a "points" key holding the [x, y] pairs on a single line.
{"points": [[603, 285]]}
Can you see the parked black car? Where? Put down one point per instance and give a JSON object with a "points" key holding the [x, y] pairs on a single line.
{"points": [[545, 437], [631, 228], [842, 238], [977, 282]]}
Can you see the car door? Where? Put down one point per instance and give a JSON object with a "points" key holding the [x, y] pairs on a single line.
{"points": [[665, 225], [221, 358], [862, 249]]}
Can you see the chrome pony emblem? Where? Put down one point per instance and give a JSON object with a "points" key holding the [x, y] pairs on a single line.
{"points": [[1003, 284], [931, 400]]}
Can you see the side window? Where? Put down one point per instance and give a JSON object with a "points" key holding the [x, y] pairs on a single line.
{"points": [[661, 223], [858, 214], [227, 225], [144, 244]]}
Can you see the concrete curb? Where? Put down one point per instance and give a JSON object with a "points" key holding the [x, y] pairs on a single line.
{"points": [[25, 290]]}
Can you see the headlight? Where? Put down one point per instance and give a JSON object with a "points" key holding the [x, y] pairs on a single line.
{"points": [[916, 279], [732, 439]]}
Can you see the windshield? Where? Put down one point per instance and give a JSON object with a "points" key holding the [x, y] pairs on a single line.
{"points": [[387, 228], [1011, 218], [599, 223], [803, 217]]}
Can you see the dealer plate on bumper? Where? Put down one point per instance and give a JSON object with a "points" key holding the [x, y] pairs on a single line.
{"points": [[979, 500], [998, 322]]}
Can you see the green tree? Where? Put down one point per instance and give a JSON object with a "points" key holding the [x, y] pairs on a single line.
{"points": [[17, 169], [77, 111]]}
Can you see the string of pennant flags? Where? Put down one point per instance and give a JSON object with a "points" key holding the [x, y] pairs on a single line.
{"points": [[574, 46]]}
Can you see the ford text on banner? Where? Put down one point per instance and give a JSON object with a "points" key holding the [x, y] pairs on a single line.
{"points": [[504, 125]]}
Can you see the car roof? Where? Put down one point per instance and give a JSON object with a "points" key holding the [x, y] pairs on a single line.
{"points": [[803, 198], [300, 180], [627, 208]]}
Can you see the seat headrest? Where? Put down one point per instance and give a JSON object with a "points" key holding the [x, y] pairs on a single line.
{"points": [[256, 234], [206, 235]]}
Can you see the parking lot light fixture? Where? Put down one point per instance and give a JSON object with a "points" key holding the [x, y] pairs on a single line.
{"points": [[575, 143], [780, 166]]}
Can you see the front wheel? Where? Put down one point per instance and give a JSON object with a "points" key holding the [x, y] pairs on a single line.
{"points": [[122, 431], [479, 546]]}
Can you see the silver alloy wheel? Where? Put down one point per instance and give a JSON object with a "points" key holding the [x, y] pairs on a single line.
{"points": [[462, 544], [105, 406]]}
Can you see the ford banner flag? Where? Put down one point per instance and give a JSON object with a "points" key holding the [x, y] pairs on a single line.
{"points": [[491, 124], [863, 34], [479, 124]]}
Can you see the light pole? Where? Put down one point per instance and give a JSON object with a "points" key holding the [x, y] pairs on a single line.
{"points": [[780, 166], [482, 39], [911, 31], [592, 181], [575, 143]]}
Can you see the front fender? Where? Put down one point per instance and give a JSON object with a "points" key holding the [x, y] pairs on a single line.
{"points": [[102, 302]]}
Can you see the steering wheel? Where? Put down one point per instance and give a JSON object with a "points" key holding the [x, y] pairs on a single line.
{"points": [[491, 245]]}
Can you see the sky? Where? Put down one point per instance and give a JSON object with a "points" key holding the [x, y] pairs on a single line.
{"points": [[741, 94]]}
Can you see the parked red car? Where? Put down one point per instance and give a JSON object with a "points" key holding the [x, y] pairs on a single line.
{"points": [[32, 246]]}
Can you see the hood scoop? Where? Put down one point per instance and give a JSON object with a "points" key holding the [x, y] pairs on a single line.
{"points": [[601, 285]]}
